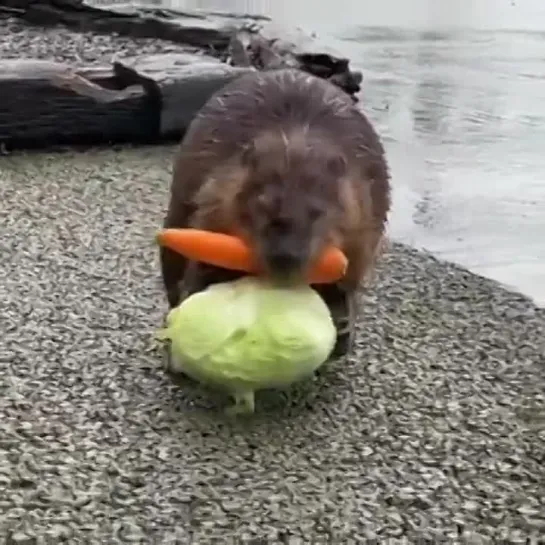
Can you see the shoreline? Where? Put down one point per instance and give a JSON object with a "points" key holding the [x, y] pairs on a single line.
{"points": [[61, 150], [20, 40]]}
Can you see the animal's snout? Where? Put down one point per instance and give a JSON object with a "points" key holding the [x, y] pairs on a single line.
{"points": [[285, 261], [286, 249]]}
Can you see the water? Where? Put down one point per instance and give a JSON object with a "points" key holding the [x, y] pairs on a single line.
{"points": [[457, 90]]}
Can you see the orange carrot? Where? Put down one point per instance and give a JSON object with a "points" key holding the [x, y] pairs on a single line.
{"points": [[230, 252]]}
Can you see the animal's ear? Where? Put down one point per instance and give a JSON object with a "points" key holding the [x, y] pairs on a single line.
{"points": [[337, 165]]}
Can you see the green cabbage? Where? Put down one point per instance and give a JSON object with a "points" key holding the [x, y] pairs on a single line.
{"points": [[248, 335]]}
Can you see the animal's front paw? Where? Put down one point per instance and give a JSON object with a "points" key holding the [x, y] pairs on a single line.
{"points": [[345, 340], [167, 363], [244, 404], [172, 366]]}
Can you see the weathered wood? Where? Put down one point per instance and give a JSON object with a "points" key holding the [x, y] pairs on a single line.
{"points": [[275, 47], [147, 98], [266, 43], [144, 99], [185, 83]]}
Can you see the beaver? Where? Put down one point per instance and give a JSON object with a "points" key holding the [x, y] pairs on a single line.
{"points": [[287, 161]]}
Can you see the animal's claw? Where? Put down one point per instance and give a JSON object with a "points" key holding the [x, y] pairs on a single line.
{"points": [[244, 404]]}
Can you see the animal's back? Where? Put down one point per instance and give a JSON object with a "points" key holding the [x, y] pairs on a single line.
{"points": [[287, 99]]}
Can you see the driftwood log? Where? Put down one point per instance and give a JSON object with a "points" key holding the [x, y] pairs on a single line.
{"points": [[150, 98]]}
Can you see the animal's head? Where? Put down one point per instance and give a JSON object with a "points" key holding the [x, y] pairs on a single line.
{"points": [[291, 201]]}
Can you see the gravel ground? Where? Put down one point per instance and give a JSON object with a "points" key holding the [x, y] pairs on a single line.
{"points": [[436, 429], [18, 40]]}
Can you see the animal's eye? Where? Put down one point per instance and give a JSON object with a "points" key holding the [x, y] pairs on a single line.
{"points": [[314, 212], [244, 215], [264, 202], [336, 166]]}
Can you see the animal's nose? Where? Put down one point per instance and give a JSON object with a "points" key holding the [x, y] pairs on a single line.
{"points": [[285, 261]]}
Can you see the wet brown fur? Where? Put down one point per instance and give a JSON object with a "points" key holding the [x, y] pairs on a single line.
{"points": [[292, 120]]}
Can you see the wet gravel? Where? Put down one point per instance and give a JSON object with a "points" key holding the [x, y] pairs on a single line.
{"points": [[435, 430]]}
